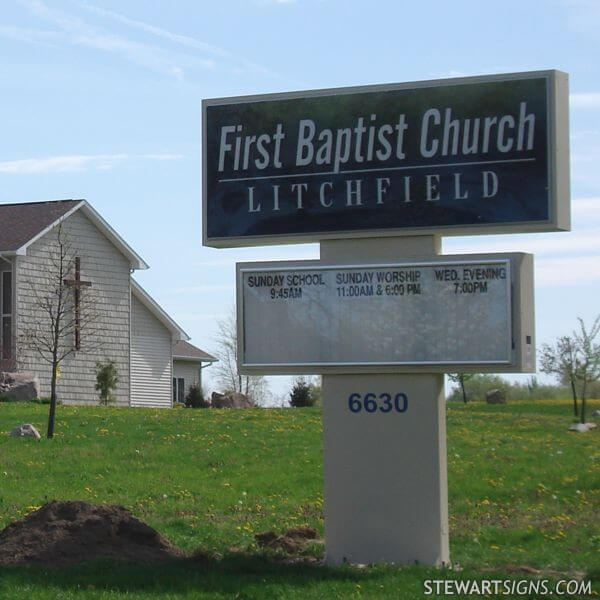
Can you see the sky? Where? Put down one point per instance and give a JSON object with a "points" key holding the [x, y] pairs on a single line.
{"points": [[101, 100]]}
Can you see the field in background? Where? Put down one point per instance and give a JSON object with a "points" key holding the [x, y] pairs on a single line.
{"points": [[524, 496]]}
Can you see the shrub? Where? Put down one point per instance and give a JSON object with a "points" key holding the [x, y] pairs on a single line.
{"points": [[301, 394], [106, 381], [195, 397]]}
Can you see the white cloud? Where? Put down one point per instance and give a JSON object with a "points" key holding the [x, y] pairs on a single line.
{"points": [[183, 40], [586, 207], [31, 36], [75, 31], [586, 100], [78, 162], [174, 55], [540, 244], [568, 271]]}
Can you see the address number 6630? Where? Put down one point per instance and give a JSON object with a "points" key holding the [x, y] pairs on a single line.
{"points": [[372, 403]]}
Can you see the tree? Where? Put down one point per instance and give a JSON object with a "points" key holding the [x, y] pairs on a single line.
{"points": [[226, 370], [589, 358], [575, 359], [461, 379], [63, 319], [106, 381], [301, 394], [561, 360]]}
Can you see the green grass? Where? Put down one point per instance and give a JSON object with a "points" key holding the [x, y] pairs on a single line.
{"points": [[523, 493]]}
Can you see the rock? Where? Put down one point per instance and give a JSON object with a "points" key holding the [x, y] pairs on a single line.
{"points": [[582, 427], [231, 400], [26, 430], [495, 397], [596, 413], [19, 386]]}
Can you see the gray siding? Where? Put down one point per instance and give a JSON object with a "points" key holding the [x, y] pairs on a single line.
{"points": [[109, 297], [151, 359]]}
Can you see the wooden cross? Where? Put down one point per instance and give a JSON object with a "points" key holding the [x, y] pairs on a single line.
{"points": [[77, 284]]}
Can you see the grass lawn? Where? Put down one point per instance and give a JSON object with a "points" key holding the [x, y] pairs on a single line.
{"points": [[523, 494]]}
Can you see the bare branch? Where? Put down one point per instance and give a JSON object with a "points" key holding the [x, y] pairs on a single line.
{"points": [[226, 370]]}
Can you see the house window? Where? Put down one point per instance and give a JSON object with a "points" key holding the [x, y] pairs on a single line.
{"points": [[6, 315], [178, 389], [6, 292]]}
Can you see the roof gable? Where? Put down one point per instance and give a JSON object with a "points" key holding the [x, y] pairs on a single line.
{"points": [[20, 223]]}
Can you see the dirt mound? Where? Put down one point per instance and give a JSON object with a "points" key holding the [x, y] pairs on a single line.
{"points": [[77, 532], [293, 541]]}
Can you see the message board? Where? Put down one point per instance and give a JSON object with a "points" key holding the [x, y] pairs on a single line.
{"points": [[455, 156], [435, 315]]}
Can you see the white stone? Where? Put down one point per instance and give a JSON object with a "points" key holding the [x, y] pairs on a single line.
{"points": [[582, 427], [26, 430]]}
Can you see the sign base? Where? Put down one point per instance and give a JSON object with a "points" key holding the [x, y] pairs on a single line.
{"points": [[385, 469]]}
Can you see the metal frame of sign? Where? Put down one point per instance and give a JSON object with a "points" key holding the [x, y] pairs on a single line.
{"points": [[519, 290], [556, 157]]}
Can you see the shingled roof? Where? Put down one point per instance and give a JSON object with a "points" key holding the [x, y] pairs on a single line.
{"points": [[23, 224], [20, 223], [186, 351]]}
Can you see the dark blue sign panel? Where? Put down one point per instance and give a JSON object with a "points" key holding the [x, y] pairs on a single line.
{"points": [[452, 157]]}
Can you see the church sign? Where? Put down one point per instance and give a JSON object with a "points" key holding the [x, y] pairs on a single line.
{"points": [[377, 175], [447, 313], [456, 156]]}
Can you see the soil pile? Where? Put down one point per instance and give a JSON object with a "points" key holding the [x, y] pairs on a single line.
{"points": [[292, 541], [76, 532]]}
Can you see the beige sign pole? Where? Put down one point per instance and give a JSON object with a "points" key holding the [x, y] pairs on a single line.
{"points": [[386, 497]]}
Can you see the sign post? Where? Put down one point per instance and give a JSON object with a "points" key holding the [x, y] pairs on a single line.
{"points": [[376, 175], [386, 491], [386, 494]]}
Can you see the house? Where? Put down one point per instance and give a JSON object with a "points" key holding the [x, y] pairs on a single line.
{"points": [[187, 368], [107, 315]]}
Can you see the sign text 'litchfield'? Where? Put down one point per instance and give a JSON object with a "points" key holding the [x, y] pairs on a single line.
{"points": [[454, 155]]}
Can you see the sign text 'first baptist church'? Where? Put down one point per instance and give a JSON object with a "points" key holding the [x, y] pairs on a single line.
{"points": [[451, 155]]}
